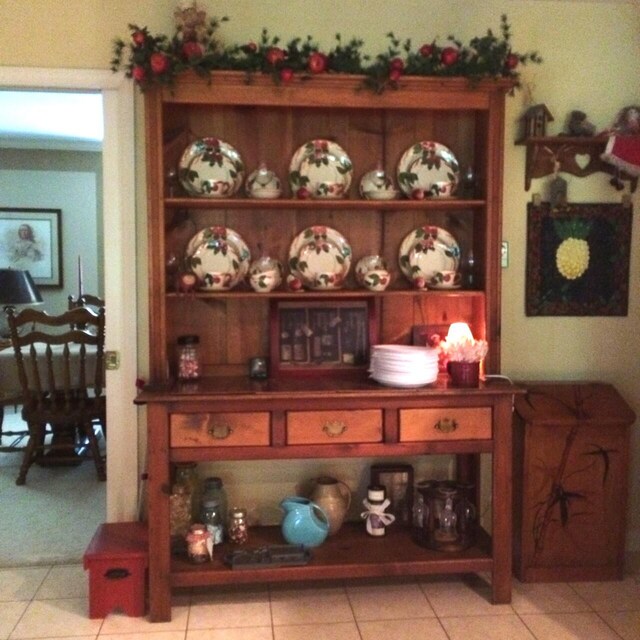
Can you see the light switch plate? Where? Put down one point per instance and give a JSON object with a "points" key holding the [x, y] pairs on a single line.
{"points": [[504, 254], [111, 360]]}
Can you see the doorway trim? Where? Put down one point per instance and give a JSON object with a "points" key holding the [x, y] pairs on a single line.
{"points": [[120, 283]]}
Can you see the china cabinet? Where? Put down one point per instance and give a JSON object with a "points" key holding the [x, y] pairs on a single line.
{"points": [[334, 411]]}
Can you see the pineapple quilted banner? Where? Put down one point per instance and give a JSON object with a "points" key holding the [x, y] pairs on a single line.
{"points": [[578, 259]]}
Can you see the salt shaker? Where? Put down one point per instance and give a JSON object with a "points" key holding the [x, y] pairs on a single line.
{"points": [[238, 530], [376, 519]]}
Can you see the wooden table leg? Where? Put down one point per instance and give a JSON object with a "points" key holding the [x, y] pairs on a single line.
{"points": [[502, 501], [158, 488]]}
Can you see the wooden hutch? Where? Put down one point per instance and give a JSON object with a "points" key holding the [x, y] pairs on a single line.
{"points": [[227, 415]]}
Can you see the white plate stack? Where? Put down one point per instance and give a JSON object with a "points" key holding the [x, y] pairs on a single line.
{"points": [[397, 365]]}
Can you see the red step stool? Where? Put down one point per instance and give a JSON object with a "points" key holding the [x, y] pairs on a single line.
{"points": [[117, 559]]}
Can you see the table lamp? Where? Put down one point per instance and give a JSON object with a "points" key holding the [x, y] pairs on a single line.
{"points": [[16, 288]]}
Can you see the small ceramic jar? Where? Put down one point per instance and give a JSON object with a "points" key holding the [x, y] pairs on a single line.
{"points": [[263, 183]]}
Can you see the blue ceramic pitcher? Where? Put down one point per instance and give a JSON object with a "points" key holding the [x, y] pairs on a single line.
{"points": [[304, 522]]}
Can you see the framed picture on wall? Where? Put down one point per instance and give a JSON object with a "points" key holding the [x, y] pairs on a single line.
{"points": [[31, 240], [578, 259]]}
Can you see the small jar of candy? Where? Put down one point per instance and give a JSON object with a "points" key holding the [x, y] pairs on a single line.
{"points": [[238, 529], [188, 357]]}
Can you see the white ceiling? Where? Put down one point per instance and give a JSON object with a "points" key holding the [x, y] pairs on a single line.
{"points": [[51, 120]]}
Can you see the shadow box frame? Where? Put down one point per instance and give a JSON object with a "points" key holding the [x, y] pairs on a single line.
{"points": [[346, 319], [386, 474]]}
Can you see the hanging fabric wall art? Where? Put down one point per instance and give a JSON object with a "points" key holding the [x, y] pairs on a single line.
{"points": [[578, 259]]}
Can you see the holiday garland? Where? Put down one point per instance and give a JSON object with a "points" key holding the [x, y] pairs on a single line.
{"points": [[158, 59]]}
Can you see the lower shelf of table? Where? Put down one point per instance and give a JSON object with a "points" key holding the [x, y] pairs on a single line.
{"points": [[351, 553]]}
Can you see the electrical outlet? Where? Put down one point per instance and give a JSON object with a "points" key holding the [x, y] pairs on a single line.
{"points": [[504, 254]]}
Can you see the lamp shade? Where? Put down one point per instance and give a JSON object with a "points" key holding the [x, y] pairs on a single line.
{"points": [[18, 287]]}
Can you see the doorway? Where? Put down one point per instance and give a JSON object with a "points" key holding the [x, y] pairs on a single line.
{"points": [[119, 265]]}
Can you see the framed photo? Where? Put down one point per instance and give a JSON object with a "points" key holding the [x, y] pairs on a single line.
{"points": [[316, 337], [398, 482], [31, 240], [578, 259]]}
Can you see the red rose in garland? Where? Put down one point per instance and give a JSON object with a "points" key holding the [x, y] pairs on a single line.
{"points": [[449, 56], [274, 55], [159, 63], [395, 75], [286, 74], [138, 38], [317, 62], [512, 61], [192, 50], [426, 50], [396, 64], [138, 73]]}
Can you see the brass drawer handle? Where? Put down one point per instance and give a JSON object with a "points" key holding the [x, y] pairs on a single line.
{"points": [[446, 425], [334, 428], [220, 431]]}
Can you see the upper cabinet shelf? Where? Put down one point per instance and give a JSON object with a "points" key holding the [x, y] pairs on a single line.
{"points": [[578, 156], [253, 204]]}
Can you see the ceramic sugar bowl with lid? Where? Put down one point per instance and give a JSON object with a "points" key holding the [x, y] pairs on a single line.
{"points": [[263, 183], [377, 185]]}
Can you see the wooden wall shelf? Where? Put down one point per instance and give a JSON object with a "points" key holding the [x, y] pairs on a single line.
{"points": [[577, 156]]}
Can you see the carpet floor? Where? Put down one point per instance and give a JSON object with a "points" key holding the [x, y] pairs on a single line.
{"points": [[50, 519]]}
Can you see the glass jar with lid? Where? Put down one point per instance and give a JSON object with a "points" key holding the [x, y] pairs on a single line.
{"points": [[188, 357], [238, 528]]}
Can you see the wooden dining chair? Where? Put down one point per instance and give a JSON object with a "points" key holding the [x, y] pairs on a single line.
{"points": [[85, 300], [61, 372]]}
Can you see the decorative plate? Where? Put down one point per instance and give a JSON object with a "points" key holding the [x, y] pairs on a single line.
{"points": [[211, 168], [428, 169], [320, 169], [219, 257], [426, 251], [320, 257]]}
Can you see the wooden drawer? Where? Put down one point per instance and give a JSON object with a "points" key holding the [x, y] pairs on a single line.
{"points": [[220, 429], [445, 424], [334, 427]]}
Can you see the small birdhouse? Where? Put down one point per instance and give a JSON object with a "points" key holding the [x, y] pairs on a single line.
{"points": [[535, 121]]}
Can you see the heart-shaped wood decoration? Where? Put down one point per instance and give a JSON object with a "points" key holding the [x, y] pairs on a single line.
{"points": [[582, 160]]}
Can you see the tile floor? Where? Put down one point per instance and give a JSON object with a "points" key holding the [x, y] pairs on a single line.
{"points": [[51, 602]]}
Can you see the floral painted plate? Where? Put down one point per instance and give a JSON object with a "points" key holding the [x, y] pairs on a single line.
{"points": [[219, 257], [427, 251], [211, 168], [320, 169], [320, 257], [428, 169]]}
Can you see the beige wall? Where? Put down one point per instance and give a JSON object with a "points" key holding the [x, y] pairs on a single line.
{"points": [[590, 49]]}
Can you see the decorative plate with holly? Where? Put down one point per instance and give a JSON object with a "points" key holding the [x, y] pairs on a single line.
{"points": [[211, 168], [428, 169], [320, 169], [320, 257], [426, 251], [219, 257]]}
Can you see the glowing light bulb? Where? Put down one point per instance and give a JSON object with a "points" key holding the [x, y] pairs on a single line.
{"points": [[459, 332]]}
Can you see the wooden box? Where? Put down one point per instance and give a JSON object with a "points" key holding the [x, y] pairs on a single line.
{"points": [[117, 559], [571, 466]]}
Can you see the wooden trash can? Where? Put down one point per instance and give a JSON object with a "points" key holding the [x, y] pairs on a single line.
{"points": [[117, 559], [571, 467]]}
